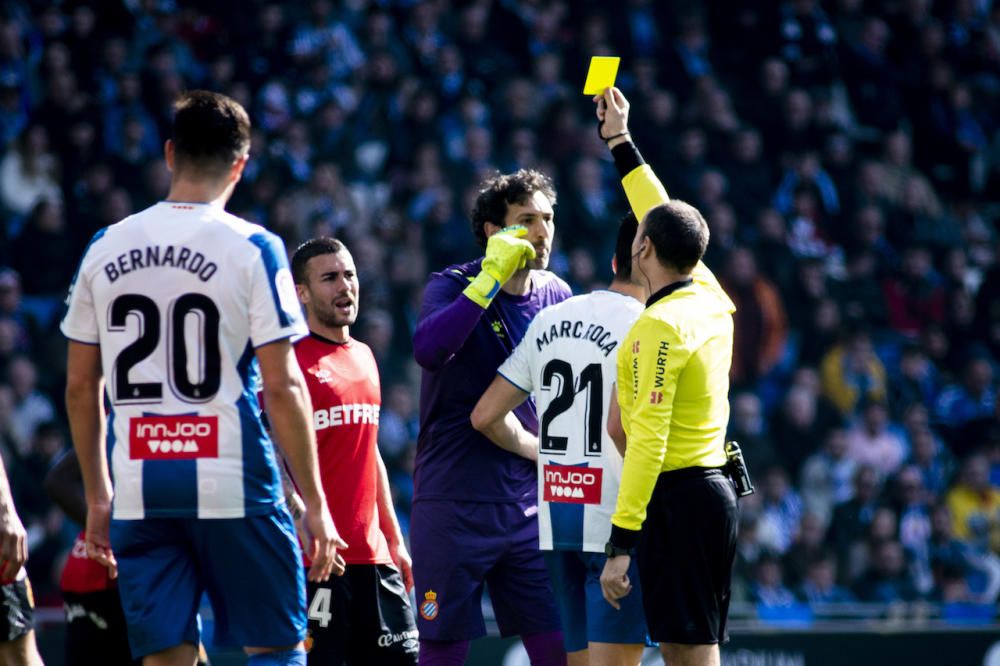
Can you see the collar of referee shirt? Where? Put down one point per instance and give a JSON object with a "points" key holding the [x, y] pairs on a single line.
{"points": [[669, 289]]}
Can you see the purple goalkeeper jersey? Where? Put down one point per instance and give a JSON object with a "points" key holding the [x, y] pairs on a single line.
{"points": [[460, 346]]}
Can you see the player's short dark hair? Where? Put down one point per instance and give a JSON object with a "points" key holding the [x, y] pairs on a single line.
{"points": [[623, 246], [679, 234], [501, 190], [314, 247], [210, 131]]}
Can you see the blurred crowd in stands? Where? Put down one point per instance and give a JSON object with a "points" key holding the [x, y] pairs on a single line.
{"points": [[844, 152]]}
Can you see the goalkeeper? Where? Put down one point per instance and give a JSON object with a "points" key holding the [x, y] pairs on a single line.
{"points": [[475, 507]]}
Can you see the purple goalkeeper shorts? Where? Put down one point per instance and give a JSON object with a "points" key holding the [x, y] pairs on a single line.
{"points": [[458, 547]]}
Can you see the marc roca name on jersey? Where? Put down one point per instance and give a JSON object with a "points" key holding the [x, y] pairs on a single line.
{"points": [[595, 333]]}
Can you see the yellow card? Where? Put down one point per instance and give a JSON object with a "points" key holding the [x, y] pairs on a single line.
{"points": [[601, 75]]}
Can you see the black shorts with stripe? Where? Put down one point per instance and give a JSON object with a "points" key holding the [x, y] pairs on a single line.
{"points": [[362, 617], [686, 554], [17, 609]]}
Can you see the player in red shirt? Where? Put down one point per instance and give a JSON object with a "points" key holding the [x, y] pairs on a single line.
{"points": [[96, 632], [364, 616]]}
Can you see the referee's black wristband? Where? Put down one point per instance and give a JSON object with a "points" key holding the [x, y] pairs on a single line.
{"points": [[623, 538], [627, 158]]}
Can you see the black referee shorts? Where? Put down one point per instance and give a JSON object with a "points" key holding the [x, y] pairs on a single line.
{"points": [[686, 556]]}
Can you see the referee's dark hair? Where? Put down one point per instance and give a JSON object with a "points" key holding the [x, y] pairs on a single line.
{"points": [[497, 192], [210, 131], [314, 247], [623, 247], [679, 234]]}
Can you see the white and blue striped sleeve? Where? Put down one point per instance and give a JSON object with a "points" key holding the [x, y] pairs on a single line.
{"points": [[275, 312]]}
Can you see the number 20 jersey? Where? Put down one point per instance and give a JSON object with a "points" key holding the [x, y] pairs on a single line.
{"points": [[567, 360], [178, 296]]}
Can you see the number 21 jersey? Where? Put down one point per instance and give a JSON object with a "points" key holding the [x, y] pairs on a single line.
{"points": [[567, 360], [178, 296]]}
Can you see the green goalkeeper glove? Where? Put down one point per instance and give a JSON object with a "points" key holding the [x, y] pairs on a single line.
{"points": [[506, 253]]}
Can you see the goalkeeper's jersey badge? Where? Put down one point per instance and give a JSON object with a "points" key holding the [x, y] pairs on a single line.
{"points": [[429, 606]]}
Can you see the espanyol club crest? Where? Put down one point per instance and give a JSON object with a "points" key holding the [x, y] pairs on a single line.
{"points": [[429, 606]]}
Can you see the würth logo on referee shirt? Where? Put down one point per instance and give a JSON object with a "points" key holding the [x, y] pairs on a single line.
{"points": [[572, 485], [173, 437], [656, 397]]}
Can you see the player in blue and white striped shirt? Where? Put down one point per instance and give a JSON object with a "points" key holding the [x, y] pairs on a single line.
{"points": [[567, 361], [185, 308]]}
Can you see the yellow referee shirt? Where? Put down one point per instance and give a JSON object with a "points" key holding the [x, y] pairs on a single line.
{"points": [[673, 375]]}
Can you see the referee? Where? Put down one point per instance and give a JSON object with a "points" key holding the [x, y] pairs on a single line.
{"points": [[673, 385]]}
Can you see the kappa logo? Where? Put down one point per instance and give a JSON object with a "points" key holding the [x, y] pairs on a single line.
{"points": [[656, 397], [429, 606], [173, 437]]}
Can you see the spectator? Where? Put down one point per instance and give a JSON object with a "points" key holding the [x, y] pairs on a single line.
{"points": [[871, 80], [11, 303], [974, 398], [28, 174], [852, 373], [917, 381], [768, 589], [749, 550], [860, 293], [852, 518], [896, 175], [44, 242], [988, 310], [781, 509], [948, 556], [828, 476], [801, 424], [915, 296], [808, 545], [872, 442], [975, 505], [749, 427], [911, 504], [771, 249], [820, 584], [928, 457], [759, 317], [398, 423], [808, 43], [749, 176], [887, 580], [31, 407]]}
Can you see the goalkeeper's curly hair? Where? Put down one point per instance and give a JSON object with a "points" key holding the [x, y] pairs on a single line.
{"points": [[501, 190]]}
